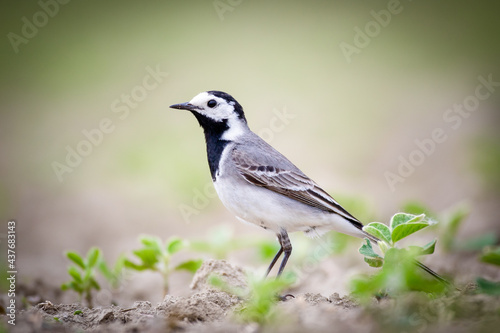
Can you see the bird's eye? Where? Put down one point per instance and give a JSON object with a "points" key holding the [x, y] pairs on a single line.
{"points": [[211, 103]]}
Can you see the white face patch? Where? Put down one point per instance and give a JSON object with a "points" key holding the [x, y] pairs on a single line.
{"points": [[221, 111], [236, 129]]}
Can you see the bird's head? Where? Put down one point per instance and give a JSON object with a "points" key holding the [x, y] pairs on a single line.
{"points": [[213, 106]]}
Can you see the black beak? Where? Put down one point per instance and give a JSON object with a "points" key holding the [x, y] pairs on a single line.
{"points": [[185, 106]]}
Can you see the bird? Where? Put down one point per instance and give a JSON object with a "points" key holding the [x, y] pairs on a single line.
{"points": [[259, 185]]}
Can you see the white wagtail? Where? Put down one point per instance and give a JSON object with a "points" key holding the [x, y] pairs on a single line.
{"points": [[261, 186]]}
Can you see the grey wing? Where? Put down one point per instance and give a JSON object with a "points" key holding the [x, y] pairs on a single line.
{"points": [[291, 183]]}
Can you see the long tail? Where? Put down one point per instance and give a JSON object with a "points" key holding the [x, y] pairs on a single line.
{"points": [[431, 272]]}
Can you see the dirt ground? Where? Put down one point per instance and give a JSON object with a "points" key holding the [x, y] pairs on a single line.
{"points": [[210, 310]]}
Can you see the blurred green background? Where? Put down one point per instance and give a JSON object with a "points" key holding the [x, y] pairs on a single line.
{"points": [[349, 123]]}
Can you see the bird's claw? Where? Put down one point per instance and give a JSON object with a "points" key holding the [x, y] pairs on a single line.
{"points": [[284, 298]]}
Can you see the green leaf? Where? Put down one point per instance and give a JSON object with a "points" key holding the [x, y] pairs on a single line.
{"points": [[488, 287], [374, 262], [76, 258], [429, 247], [119, 264], [259, 307], [148, 256], [404, 230], [89, 272], [77, 312], [456, 218], [379, 230], [190, 265], [367, 250], [491, 256], [114, 275], [363, 287], [105, 270], [423, 250], [402, 218], [174, 245], [75, 274], [93, 256], [153, 243], [74, 286], [93, 284], [132, 265]]}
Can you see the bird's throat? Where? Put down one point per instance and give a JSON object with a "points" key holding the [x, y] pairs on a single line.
{"points": [[213, 137]]}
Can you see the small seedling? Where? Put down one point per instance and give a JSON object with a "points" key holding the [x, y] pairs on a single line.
{"points": [[488, 287], [402, 225], [264, 294], [398, 271], [156, 256], [114, 275], [259, 300], [490, 255], [83, 274]]}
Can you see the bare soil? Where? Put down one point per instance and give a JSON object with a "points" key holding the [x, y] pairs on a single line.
{"points": [[211, 310]]}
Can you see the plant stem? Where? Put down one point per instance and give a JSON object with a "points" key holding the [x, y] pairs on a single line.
{"points": [[165, 273], [88, 298]]}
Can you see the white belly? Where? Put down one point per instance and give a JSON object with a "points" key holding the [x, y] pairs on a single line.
{"points": [[274, 211]]}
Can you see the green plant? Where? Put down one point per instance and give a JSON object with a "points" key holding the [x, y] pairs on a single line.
{"points": [[83, 273], [490, 255], [113, 275], [259, 300], [260, 306], [401, 226], [399, 272], [488, 287], [156, 256]]}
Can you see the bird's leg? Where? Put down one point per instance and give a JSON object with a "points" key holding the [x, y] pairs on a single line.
{"points": [[274, 261], [286, 247]]}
